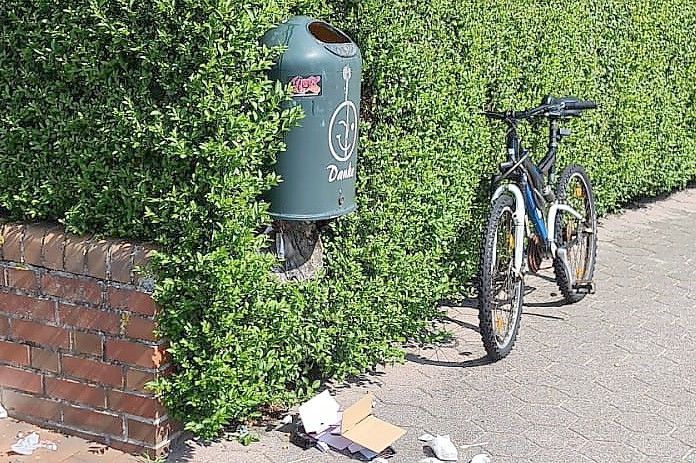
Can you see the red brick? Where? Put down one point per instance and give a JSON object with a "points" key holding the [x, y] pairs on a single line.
{"points": [[135, 353], [92, 370], [12, 242], [143, 450], [137, 379], [43, 335], [73, 289], [90, 319], [73, 391], [75, 254], [12, 352], [26, 306], [130, 299], [87, 343], [54, 248], [148, 433], [20, 379], [147, 407], [4, 326], [45, 360], [97, 253], [31, 406], [140, 328], [89, 420], [21, 278], [121, 262], [33, 237]]}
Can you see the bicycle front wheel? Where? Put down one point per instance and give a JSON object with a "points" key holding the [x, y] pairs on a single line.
{"points": [[500, 286]]}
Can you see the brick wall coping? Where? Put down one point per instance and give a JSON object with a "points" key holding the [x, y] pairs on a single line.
{"points": [[49, 246]]}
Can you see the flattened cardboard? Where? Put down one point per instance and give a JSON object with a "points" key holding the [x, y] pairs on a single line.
{"points": [[360, 426], [374, 434], [356, 412]]}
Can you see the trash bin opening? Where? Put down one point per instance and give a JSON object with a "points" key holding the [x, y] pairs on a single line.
{"points": [[326, 33]]}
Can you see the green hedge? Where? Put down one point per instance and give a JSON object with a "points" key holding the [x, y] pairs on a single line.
{"points": [[154, 120]]}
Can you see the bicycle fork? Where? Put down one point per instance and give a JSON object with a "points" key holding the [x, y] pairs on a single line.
{"points": [[518, 219]]}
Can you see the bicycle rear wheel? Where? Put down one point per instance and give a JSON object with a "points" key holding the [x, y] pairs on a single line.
{"points": [[500, 286], [578, 237]]}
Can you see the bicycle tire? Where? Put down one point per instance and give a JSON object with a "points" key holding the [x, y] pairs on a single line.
{"points": [[491, 315], [582, 259]]}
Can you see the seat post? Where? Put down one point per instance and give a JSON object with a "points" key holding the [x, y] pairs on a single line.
{"points": [[546, 165]]}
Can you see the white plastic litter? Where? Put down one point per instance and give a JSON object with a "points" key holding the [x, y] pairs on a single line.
{"points": [[426, 437], [430, 460], [3, 412], [443, 448], [26, 445], [379, 460], [287, 419], [478, 444], [481, 458]]}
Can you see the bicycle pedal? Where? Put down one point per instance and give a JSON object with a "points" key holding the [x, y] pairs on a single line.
{"points": [[584, 287]]}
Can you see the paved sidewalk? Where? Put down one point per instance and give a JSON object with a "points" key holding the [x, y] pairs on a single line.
{"points": [[70, 449], [610, 379]]}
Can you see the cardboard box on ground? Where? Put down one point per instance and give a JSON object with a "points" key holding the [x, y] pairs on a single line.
{"points": [[355, 429]]}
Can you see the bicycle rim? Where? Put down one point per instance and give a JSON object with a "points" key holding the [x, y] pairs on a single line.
{"points": [[578, 235], [506, 287]]}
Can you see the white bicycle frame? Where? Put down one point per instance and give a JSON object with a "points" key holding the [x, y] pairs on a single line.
{"points": [[518, 219]]}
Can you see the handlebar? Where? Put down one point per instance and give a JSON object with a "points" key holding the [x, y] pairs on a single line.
{"points": [[551, 107], [581, 105]]}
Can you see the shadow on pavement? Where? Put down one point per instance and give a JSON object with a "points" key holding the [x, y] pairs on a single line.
{"points": [[448, 363]]}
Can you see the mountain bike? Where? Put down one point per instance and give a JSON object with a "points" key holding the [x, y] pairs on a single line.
{"points": [[528, 218]]}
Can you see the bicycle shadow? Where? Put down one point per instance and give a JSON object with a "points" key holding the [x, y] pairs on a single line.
{"points": [[460, 321]]}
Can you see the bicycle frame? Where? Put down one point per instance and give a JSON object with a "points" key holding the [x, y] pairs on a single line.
{"points": [[526, 205]]}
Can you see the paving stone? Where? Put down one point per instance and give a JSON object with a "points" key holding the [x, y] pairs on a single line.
{"points": [[609, 379]]}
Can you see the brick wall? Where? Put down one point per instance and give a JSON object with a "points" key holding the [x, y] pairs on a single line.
{"points": [[76, 338]]}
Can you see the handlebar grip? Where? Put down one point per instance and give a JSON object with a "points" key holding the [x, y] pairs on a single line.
{"points": [[579, 105]]}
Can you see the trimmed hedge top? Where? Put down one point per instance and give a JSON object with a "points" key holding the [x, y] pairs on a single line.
{"points": [[155, 120]]}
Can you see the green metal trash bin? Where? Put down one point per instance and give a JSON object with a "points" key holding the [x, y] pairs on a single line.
{"points": [[323, 67]]}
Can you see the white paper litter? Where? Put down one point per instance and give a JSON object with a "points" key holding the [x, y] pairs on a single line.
{"points": [[323, 446], [443, 448], [430, 460], [3, 412], [287, 419], [426, 437], [379, 460], [481, 458], [320, 413]]}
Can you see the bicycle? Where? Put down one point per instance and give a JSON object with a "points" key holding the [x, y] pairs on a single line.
{"points": [[517, 227]]}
